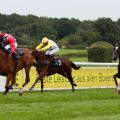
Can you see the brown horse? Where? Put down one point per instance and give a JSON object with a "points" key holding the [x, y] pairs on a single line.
{"points": [[117, 75], [9, 67], [45, 67]]}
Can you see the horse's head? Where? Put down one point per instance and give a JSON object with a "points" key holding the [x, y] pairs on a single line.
{"points": [[37, 54], [116, 52]]}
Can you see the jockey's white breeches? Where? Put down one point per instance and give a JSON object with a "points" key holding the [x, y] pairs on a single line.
{"points": [[52, 50], [8, 46]]}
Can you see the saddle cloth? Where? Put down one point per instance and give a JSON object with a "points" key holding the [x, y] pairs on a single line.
{"points": [[19, 51]]}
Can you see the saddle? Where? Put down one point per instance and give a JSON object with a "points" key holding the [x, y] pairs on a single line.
{"points": [[18, 53], [55, 61]]}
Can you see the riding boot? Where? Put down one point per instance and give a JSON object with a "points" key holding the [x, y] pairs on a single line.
{"points": [[55, 61]]}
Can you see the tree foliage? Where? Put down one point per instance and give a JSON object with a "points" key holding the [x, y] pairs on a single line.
{"points": [[30, 29]]}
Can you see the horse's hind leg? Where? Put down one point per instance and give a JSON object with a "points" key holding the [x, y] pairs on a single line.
{"points": [[71, 82], [69, 76]]}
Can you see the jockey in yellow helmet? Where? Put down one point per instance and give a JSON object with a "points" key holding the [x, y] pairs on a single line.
{"points": [[49, 47]]}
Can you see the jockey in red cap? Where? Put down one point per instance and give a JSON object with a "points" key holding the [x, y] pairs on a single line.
{"points": [[10, 43]]}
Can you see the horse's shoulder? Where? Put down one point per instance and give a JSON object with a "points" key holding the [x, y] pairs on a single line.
{"points": [[2, 52]]}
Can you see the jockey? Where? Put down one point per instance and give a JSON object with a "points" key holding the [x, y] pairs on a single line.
{"points": [[49, 47], [10, 44]]}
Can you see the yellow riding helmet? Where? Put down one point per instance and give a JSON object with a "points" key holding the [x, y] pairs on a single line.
{"points": [[44, 40]]}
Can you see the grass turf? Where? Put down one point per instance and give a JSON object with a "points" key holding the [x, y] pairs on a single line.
{"points": [[90, 104]]}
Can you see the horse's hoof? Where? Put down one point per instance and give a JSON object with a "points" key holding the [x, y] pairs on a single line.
{"points": [[16, 84], [75, 84], [11, 88], [20, 94], [4, 93], [117, 91], [30, 88]]}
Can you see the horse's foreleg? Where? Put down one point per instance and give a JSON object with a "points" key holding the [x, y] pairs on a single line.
{"points": [[115, 76], [12, 81], [116, 83], [38, 78], [7, 84], [27, 80], [41, 84]]}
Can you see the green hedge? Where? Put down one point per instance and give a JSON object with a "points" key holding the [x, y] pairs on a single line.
{"points": [[100, 52]]}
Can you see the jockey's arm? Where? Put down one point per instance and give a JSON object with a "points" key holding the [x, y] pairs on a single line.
{"points": [[39, 46], [47, 46], [11, 42], [12, 45]]}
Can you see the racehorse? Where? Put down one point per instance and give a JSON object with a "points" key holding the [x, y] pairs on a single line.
{"points": [[117, 75], [45, 67], [9, 67]]}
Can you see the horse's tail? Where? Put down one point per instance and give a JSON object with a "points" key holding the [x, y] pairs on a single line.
{"points": [[74, 66]]}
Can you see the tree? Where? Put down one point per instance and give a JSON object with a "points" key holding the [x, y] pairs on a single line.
{"points": [[107, 29], [63, 27]]}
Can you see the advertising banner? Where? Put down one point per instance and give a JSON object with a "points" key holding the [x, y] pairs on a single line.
{"points": [[86, 77]]}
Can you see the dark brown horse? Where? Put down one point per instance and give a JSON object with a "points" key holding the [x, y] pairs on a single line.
{"points": [[45, 67], [117, 75], [9, 67]]}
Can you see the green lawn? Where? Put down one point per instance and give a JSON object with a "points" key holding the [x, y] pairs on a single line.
{"points": [[90, 104], [82, 59], [68, 51]]}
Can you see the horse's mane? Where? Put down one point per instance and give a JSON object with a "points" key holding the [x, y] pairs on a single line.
{"points": [[38, 54]]}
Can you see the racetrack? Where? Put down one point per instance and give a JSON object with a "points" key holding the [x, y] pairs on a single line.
{"points": [[86, 104]]}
